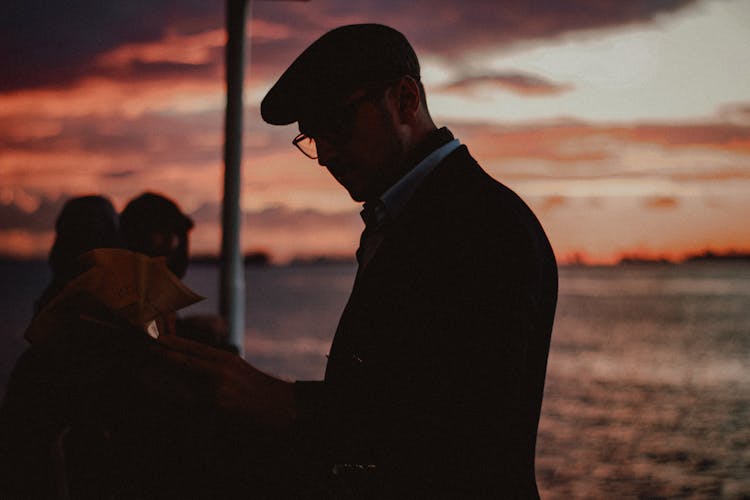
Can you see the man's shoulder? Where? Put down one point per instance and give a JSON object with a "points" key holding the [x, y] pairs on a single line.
{"points": [[464, 204], [466, 189]]}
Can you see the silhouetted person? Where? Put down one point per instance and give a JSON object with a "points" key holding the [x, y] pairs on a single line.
{"points": [[82, 417], [435, 378], [84, 223], [154, 225], [74, 420]]}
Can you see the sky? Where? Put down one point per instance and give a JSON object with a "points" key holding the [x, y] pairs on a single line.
{"points": [[624, 125]]}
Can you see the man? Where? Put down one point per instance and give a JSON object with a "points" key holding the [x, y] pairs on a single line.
{"points": [[435, 377], [84, 223], [154, 225], [77, 421]]}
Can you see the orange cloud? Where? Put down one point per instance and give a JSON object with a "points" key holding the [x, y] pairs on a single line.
{"points": [[660, 202], [17, 243], [126, 99], [724, 136], [547, 142], [552, 202], [140, 106], [175, 47], [569, 150], [121, 138]]}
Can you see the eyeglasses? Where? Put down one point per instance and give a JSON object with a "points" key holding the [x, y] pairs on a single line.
{"points": [[335, 126]]}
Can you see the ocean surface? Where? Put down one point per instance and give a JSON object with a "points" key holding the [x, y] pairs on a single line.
{"points": [[648, 385]]}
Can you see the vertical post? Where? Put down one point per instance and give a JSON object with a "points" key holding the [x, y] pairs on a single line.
{"points": [[232, 300]]}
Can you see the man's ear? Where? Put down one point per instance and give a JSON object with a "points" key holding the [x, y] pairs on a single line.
{"points": [[409, 98]]}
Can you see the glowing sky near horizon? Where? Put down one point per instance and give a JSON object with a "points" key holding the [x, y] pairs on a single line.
{"points": [[625, 134]]}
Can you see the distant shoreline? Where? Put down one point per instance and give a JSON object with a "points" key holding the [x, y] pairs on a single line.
{"points": [[262, 259], [707, 256]]}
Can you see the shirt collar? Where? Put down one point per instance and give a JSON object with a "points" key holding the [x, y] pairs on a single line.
{"points": [[393, 201]]}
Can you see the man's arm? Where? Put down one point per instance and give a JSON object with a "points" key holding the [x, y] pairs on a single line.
{"points": [[236, 388]]}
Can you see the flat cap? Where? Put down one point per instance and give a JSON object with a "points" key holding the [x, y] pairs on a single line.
{"points": [[335, 64]]}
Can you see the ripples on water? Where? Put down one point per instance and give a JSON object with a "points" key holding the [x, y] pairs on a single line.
{"points": [[648, 386]]}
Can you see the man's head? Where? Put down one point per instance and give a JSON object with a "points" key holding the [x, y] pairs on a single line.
{"points": [[154, 225], [85, 223], [358, 98]]}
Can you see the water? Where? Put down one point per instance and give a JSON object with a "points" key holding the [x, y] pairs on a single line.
{"points": [[648, 386]]}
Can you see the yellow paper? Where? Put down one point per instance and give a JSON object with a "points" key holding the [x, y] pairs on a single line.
{"points": [[132, 286]]}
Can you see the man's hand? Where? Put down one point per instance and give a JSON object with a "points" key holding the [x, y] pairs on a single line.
{"points": [[236, 388], [208, 329], [213, 323]]}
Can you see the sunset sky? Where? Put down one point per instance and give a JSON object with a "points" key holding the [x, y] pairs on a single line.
{"points": [[624, 124]]}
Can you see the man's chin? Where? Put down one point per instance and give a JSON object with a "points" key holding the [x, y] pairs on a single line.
{"points": [[357, 196], [356, 192]]}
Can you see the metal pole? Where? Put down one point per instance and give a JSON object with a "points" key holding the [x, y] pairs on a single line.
{"points": [[232, 299]]}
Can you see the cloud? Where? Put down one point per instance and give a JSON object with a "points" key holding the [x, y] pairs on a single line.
{"points": [[155, 134], [278, 217], [120, 174], [27, 227], [697, 151], [273, 217], [727, 136], [36, 214], [191, 48], [450, 27], [715, 174], [282, 231], [562, 143], [737, 113], [54, 43], [552, 202], [124, 96], [519, 83], [662, 202], [45, 44]]}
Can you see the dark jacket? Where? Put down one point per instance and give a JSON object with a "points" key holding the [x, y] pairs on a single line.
{"points": [[436, 373]]}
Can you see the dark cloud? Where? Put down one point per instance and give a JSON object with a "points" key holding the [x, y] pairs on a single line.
{"points": [[120, 174], [43, 217], [40, 220], [446, 28], [140, 70], [54, 43], [310, 219], [519, 83], [284, 218], [46, 43], [447, 25]]}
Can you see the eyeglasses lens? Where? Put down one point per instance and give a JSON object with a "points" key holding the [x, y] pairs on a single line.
{"points": [[306, 145]]}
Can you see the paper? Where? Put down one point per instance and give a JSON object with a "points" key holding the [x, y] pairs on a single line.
{"points": [[132, 286]]}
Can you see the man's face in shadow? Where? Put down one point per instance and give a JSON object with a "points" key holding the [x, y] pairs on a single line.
{"points": [[173, 246], [361, 147]]}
